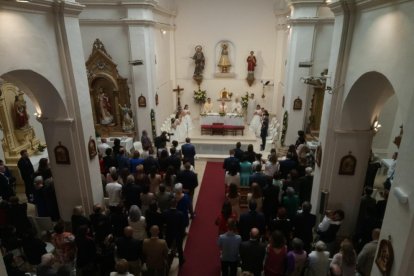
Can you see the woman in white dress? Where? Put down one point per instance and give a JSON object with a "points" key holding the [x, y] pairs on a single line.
{"points": [[256, 124], [178, 128], [186, 118]]}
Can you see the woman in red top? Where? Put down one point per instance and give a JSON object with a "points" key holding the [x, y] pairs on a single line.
{"points": [[276, 251], [226, 213]]}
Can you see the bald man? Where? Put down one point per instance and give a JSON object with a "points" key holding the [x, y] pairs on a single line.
{"points": [[155, 252], [367, 255], [252, 253], [130, 249]]}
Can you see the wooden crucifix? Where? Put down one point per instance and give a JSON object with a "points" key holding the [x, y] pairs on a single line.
{"points": [[178, 90]]}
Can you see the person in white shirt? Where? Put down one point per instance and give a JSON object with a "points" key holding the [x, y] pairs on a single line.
{"points": [[208, 106], [103, 146], [114, 189], [236, 107], [222, 107]]}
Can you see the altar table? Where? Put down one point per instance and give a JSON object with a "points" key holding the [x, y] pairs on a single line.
{"points": [[230, 119], [214, 123]]}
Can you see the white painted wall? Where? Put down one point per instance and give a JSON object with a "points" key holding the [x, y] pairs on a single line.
{"points": [[249, 25]]}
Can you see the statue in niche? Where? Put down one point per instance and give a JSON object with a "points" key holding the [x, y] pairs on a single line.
{"points": [[127, 121], [105, 108], [224, 62], [22, 118], [199, 61]]}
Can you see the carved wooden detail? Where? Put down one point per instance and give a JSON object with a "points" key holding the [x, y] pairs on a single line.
{"points": [[108, 91]]}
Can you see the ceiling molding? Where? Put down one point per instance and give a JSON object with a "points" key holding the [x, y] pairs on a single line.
{"points": [[310, 20], [44, 6], [126, 21]]}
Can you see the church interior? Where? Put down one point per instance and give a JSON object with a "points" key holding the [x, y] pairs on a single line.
{"points": [[78, 73]]}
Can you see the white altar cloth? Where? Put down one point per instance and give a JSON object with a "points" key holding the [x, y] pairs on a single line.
{"points": [[230, 119]]}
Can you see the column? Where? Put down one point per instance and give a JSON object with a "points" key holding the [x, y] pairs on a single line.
{"points": [[302, 33], [141, 44]]}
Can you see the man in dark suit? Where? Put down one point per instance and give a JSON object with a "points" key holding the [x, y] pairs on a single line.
{"points": [[130, 249], [231, 163], [174, 160], [252, 253], [188, 178], [303, 224], [26, 171], [251, 219], [238, 153], [188, 151], [6, 191], [263, 130], [259, 178], [175, 230]]}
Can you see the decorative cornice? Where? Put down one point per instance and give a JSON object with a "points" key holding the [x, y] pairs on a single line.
{"points": [[305, 2], [136, 4], [58, 121], [126, 21], [42, 6], [353, 131], [340, 6], [310, 20]]}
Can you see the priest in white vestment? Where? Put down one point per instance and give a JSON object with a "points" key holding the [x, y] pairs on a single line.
{"points": [[222, 107], [251, 108], [236, 107], [208, 106]]}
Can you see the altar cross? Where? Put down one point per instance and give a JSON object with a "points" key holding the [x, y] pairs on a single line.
{"points": [[178, 90]]}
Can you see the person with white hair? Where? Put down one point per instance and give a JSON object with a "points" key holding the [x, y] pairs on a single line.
{"points": [[183, 203], [39, 197], [318, 261], [46, 265], [137, 222]]}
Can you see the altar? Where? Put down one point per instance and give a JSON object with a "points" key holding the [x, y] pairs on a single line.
{"points": [[215, 123], [230, 119]]}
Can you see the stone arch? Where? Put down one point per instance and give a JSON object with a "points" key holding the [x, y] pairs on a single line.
{"points": [[365, 100], [43, 94]]}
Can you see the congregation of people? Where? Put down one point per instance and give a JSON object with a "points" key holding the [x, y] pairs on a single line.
{"points": [[149, 204], [138, 231], [277, 234]]}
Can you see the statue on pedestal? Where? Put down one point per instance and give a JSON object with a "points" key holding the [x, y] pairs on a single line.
{"points": [[224, 62], [199, 61], [127, 121], [22, 118], [251, 64], [105, 108]]}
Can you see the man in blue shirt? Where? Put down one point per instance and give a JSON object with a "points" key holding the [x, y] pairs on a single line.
{"points": [[229, 244]]}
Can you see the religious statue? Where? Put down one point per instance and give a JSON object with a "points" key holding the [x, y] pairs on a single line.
{"points": [[22, 118], [199, 64], [251, 64], [127, 121], [224, 62], [208, 106], [105, 108]]}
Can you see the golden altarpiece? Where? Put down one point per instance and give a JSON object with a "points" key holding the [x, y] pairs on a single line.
{"points": [[109, 94], [18, 134]]}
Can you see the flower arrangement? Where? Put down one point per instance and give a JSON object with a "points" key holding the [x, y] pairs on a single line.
{"points": [[222, 113], [41, 148], [200, 96], [245, 100]]}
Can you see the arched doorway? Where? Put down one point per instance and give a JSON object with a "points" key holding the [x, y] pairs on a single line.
{"points": [[75, 183], [353, 134]]}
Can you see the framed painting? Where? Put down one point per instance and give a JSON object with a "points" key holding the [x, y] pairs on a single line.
{"points": [[92, 148], [297, 104], [385, 257], [61, 154], [347, 165], [142, 101]]}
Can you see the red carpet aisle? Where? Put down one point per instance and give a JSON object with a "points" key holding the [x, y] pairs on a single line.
{"points": [[201, 251]]}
